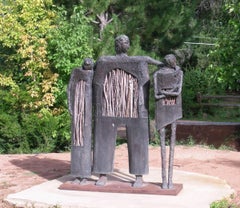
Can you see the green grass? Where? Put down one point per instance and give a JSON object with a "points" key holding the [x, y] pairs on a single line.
{"points": [[216, 114], [225, 203]]}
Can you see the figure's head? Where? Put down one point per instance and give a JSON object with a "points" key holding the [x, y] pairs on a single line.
{"points": [[87, 64], [122, 44], [170, 61]]}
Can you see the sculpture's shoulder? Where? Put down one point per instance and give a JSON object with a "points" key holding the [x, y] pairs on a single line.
{"points": [[140, 58], [106, 59], [169, 70], [76, 70], [121, 58]]}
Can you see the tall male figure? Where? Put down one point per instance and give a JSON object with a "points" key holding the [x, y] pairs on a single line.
{"points": [[80, 107], [121, 88]]}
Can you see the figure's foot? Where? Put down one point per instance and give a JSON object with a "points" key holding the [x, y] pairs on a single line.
{"points": [[164, 185], [138, 182], [170, 185], [83, 181], [102, 180], [80, 181], [76, 181]]}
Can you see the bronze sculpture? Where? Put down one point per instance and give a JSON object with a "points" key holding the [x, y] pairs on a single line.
{"points": [[121, 86], [118, 91], [167, 88], [80, 107]]}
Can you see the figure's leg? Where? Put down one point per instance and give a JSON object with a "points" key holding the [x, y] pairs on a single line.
{"points": [[163, 157], [104, 146], [138, 181], [138, 140], [171, 155], [81, 160]]}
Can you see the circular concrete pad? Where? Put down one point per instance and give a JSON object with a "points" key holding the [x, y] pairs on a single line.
{"points": [[199, 191]]}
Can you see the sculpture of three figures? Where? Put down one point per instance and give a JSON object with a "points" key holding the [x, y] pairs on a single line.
{"points": [[116, 89]]}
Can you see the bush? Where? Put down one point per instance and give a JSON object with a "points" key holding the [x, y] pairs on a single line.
{"points": [[44, 132], [196, 81], [10, 132], [224, 203], [34, 132]]}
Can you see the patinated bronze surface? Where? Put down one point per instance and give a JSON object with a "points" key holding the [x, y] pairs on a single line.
{"points": [[121, 90], [80, 107], [118, 91], [167, 88], [124, 187]]}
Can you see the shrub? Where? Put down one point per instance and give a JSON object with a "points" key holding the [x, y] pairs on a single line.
{"points": [[10, 132]]}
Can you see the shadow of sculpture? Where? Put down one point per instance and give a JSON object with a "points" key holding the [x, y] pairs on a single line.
{"points": [[43, 167]]}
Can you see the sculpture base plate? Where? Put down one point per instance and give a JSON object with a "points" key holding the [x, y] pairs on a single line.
{"points": [[123, 187]]}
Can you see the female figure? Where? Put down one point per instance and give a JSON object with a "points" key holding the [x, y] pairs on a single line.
{"points": [[168, 87], [80, 107]]}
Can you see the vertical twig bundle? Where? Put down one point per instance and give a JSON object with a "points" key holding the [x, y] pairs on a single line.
{"points": [[120, 93], [79, 106]]}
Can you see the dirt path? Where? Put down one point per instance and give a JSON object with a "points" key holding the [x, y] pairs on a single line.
{"points": [[18, 172]]}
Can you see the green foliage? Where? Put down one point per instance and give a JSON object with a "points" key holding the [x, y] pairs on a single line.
{"points": [[23, 30], [218, 64], [40, 44], [162, 25], [225, 66], [68, 44], [105, 45], [219, 25], [35, 132], [39, 130], [10, 132], [195, 81], [42, 132], [224, 203], [30, 119], [189, 141]]}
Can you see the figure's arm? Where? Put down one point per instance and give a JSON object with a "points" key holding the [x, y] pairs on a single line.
{"points": [[177, 90], [70, 95], [154, 62], [171, 92], [157, 93], [159, 96]]}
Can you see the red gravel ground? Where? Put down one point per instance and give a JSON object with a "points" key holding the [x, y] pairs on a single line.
{"points": [[19, 172]]}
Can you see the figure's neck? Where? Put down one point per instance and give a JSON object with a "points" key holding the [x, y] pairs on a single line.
{"points": [[122, 54]]}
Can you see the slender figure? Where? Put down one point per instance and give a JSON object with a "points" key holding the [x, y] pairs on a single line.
{"points": [[167, 88], [80, 107]]}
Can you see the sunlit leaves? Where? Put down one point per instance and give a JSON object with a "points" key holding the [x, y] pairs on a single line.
{"points": [[24, 28], [226, 55]]}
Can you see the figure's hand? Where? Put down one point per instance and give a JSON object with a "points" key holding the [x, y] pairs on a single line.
{"points": [[160, 64], [159, 96]]}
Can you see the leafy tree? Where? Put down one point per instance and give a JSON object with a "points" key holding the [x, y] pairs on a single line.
{"points": [[68, 44], [225, 57], [27, 84], [23, 30], [218, 25], [38, 48], [162, 25], [158, 26]]}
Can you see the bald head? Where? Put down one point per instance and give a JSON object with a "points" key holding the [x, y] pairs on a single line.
{"points": [[87, 64], [122, 44]]}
